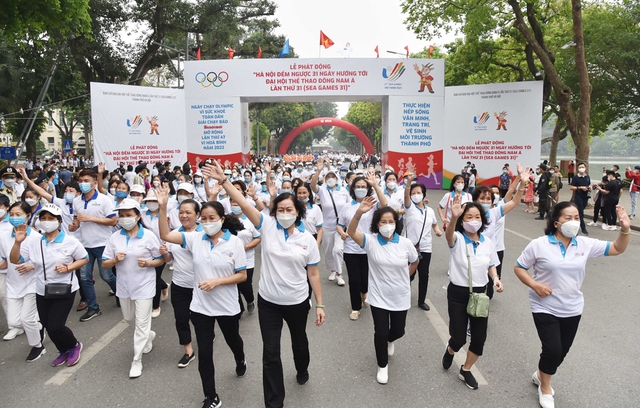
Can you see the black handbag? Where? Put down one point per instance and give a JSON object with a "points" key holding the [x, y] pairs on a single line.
{"points": [[54, 290]]}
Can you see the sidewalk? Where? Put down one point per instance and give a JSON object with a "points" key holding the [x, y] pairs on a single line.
{"points": [[625, 201]]}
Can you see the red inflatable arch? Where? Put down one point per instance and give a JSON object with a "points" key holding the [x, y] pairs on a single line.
{"points": [[284, 147]]}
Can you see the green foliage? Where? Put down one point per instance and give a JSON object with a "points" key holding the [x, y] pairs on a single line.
{"points": [[56, 19], [282, 118], [367, 116], [264, 137]]}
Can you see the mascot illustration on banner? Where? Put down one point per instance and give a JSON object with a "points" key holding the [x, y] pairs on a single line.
{"points": [[425, 78], [153, 122], [502, 122]]}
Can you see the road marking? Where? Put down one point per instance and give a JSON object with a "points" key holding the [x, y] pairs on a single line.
{"points": [[519, 234], [61, 377], [442, 329]]}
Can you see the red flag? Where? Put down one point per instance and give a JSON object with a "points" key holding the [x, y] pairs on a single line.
{"points": [[198, 54], [259, 51], [407, 48], [430, 51], [377, 52], [325, 41], [231, 51]]}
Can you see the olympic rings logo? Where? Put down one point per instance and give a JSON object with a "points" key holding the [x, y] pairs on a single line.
{"points": [[206, 80]]}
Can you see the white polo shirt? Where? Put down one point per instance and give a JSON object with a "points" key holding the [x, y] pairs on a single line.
{"points": [[364, 226], [63, 250], [563, 269], [283, 277], [447, 202], [183, 262], [482, 255], [414, 219], [151, 222], [223, 259], [495, 227], [313, 219], [94, 235], [340, 197], [20, 285], [248, 234], [396, 199], [67, 213], [134, 282], [389, 284]]}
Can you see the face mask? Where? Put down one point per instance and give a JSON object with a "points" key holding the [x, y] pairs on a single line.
{"points": [[49, 226], [258, 176], [286, 178], [272, 175], [343, 174], [112, 191], [472, 226], [286, 220], [3, 212], [392, 185], [212, 228], [198, 180], [331, 182], [15, 221], [387, 230], [127, 222], [31, 201], [306, 200], [552, 171], [156, 183], [459, 187], [286, 191], [570, 228], [153, 207], [247, 180], [85, 187], [236, 210], [9, 182], [264, 188], [181, 198], [485, 206], [496, 199], [581, 170], [138, 198], [360, 192], [121, 194], [417, 198]]}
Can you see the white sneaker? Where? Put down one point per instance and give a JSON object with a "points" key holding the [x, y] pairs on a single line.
{"points": [[391, 348], [536, 381], [592, 224], [613, 228], [546, 400], [156, 312], [136, 369], [12, 334], [383, 375], [605, 227], [165, 293], [149, 346], [332, 277], [340, 280]]}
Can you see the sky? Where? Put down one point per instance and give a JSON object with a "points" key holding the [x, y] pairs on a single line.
{"points": [[362, 23]]}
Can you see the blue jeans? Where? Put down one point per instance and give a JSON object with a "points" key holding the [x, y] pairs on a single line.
{"points": [[86, 276], [634, 201]]}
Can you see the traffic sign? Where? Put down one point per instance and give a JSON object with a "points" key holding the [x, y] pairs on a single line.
{"points": [[8, 153], [67, 146]]}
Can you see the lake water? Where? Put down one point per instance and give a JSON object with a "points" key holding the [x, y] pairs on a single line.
{"points": [[596, 162]]}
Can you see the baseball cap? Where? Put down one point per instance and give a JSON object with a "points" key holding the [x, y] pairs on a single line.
{"points": [[151, 196], [137, 188], [186, 187], [128, 204], [51, 209]]}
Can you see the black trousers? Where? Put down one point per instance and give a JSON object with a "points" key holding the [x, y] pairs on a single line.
{"points": [[204, 326], [53, 317], [160, 286], [358, 272], [181, 300], [610, 216], [556, 335], [543, 204], [457, 299], [271, 317], [499, 269], [246, 289], [388, 326], [598, 210], [423, 276], [581, 203]]}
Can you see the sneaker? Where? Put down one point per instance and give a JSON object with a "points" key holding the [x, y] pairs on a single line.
{"points": [[90, 314], [354, 315], [585, 232], [592, 224], [251, 307], [165, 293], [149, 346], [74, 355], [12, 334], [212, 402], [391, 348], [302, 378], [546, 400], [136, 369], [111, 292], [468, 379], [35, 353], [241, 368], [447, 359], [340, 280], [332, 276], [82, 305], [632, 216], [383, 374], [60, 360], [186, 359], [156, 312], [536, 381], [605, 227]]}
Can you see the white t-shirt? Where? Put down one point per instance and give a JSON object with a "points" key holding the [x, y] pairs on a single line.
{"points": [[134, 282], [283, 277], [20, 285], [67, 213], [495, 228], [94, 235], [396, 199], [389, 285], [313, 219], [340, 197], [415, 218], [482, 255], [364, 226], [151, 222], [183, 263], [472, 181], [223, 259], [563, 269], [447, 202], [248, 234]]}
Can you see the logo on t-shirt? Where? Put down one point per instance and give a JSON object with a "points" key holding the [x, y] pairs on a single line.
{"points": [[302, 246]]}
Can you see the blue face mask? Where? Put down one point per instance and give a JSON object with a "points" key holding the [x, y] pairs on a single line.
{"points": [[85, 187], [68, 197], [121, 194], [286, 191], [264, 189], [485, 206], [306, 200], [15, 221]]}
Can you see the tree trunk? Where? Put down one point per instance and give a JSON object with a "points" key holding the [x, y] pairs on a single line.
{"points": [[557, 133], [581, 135]]}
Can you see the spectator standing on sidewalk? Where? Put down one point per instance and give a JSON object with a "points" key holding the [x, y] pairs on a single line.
{"points": [[581, 184], [634, 188]]}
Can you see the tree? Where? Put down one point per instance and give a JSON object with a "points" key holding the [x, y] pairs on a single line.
{"points": [[264, 138], [323, 110], [282, 118], [56, 19], [366, 116]]}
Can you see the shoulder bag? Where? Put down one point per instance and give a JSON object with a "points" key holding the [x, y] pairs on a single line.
{"points": [[478, 305], [54, 290], [424, 221]]}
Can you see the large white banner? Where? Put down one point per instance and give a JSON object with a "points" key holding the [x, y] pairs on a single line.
{"points": [[132, 123], [491, 125]]}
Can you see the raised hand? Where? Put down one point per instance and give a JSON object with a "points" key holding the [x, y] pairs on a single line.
{"points": [[366, 205], [320, 165], [162, 195], [456, 206], [411, 173], [623, 218], [101, 167], [20, 232], [371, 178], [214, 170], [524, 175], [273, 188]]}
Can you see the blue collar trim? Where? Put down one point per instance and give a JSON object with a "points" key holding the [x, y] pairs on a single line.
{"points": [[224, 236], [468, 240], [58, 239], [383, 241], [93, 197], [553, 240], [337, 187], [198, 227], [13, 234], [140, 233], [299, 226]]}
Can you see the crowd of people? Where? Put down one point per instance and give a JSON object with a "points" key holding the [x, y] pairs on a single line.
{"points": [[205, 224]]}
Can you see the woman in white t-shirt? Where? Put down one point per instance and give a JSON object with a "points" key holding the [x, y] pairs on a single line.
{"points": [[392, 260], [559, 263], [313, 219], [455, 190], [469, 249]]}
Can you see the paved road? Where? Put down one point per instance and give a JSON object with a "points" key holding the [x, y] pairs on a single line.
{"points": [[600, 371]]}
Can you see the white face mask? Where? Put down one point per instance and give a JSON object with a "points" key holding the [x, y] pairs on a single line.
{"points": [[156, 183], [360, 192], [570, 228], [152, 206], [286, 220], [472, 226], [31, 201], [127, 222], [212, 228], [3, 212], [387, 230], [112, 191], [198, 180], [331, 182], [581, 169], [459, 187], [181, 198], [392, 185], [49, 226], [9, 182], [417, 198], [496, 199]]}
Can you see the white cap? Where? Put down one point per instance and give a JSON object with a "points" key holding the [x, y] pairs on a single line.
{"points": [[186, 187], [128, 204], [51, 209], [198, 174], [137, 188], [151, 196]]}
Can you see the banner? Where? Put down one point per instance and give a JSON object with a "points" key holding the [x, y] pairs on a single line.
{"points": [[133, 123], [490, 126]]}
